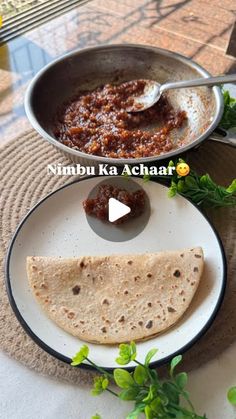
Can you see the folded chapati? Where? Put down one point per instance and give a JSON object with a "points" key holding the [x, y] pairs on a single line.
{"points": [[116, 298]]}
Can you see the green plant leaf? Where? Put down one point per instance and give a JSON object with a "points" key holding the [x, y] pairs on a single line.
{"points": [[156, 405], [175, 361], [139, 408], [100, 384], [123, 378], [190, 182], [207, 182], [172, 189], [150, 355], [228, 119], [153, 374], [231, 395], [171, 164], [181, 187], [232, 187], [140, 375], [148, 412], [171, 392], [80, 356], [181, 380], [133, 350], [129, 394], [150, 394], [127, 353], [97, 416], [146, 178]]}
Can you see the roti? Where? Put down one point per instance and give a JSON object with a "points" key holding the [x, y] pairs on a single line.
{"points": [[116, 298]]}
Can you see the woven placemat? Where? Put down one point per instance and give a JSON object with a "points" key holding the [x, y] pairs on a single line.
{"points": [[24, 181]]}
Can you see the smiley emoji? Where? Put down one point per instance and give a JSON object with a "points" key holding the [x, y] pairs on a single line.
{"points": [[182, 169]]}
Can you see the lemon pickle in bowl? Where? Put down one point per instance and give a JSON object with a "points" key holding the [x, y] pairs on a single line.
{"points": [[96, 122]]}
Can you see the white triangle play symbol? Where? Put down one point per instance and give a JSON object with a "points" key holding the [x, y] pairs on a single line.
{"points": [[116, 210]]}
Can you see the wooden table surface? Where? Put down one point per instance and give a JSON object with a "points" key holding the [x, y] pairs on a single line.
{"points": [[195, 28]]}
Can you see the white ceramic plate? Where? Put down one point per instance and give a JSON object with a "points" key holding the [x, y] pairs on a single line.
{"points": [[57, 226]]}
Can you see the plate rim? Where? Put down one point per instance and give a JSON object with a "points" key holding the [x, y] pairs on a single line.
{"points": [[64, 358]]}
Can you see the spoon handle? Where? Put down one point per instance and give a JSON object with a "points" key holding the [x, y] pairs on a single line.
{"points": [[208, 81]]}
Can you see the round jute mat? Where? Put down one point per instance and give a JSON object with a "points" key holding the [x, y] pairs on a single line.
{"points": [[24, 181]]}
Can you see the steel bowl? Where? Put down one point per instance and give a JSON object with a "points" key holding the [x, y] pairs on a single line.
{"points": [[92, 67]]}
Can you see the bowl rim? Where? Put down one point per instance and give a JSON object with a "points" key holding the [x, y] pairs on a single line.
{"points": [[117, 161]]}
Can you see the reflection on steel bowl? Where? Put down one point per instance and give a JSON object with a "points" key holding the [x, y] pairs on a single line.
{"points": [[96, 122], [87, 69]]}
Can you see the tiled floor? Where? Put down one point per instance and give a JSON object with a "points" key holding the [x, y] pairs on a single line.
{"points": [[198, 29]]}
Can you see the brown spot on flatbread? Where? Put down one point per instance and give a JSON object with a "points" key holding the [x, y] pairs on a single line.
{"points": [[76, 289], [34, 268], [140, 323], [121, 319], [171, 309], [198, 256], [149, 304], [149, 324], [71, 315], [130, 262], [193, 283], [181, 255], [136, 278], [37, 293], [105, 301], [126, 292], [104, 330], [43, 285], [149, 275], [195, 269], [181, 292], [81, 321], [82, 265], [177, 273]]}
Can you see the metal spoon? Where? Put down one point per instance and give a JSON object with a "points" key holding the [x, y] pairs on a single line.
{"points": [[153, 90]]}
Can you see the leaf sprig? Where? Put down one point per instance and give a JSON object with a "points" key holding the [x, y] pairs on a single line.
{"points": [[155, 398], [228, 119], [231, 395], [202, 190]]}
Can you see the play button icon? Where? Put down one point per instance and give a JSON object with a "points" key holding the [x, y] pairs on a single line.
{"points": [[116, 210], [110, 229]]}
